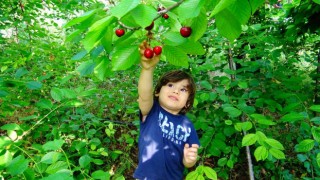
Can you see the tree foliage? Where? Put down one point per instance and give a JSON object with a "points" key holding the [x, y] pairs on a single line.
{"points": [[68, 92]]}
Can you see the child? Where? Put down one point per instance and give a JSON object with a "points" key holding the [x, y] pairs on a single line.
{"points": [[168, 141]]}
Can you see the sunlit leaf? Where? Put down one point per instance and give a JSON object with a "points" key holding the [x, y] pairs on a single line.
{"points": [[305, 145], [261, 153], [17, 166], [274, 143], [124, 58], [175, 56], [249, 139], [278, 154], [53, 145]]}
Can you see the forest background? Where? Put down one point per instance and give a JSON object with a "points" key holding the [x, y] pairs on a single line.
{"points": [[68, 85]]}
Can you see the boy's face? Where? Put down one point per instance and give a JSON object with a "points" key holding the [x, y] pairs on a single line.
{"points": [[174, 95]]}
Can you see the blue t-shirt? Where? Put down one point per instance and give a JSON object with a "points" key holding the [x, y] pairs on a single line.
{"points": [[161, 143]]}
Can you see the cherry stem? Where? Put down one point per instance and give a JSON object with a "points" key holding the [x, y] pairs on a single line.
{"points": [[160, 14]]}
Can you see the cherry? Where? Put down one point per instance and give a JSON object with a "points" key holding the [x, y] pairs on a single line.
{"points": [[157, 50], [166, 16], [120, 32], [185, 31], [148, 28], [148, 53]]}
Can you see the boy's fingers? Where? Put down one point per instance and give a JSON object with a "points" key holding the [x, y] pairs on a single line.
{"points": [[195, 145], [186, 146]]}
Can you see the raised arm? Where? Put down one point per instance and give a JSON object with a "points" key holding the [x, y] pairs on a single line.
{"points": [[145, 85]]}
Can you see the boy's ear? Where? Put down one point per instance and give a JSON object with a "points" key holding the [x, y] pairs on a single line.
{"points": [[157, 94]]}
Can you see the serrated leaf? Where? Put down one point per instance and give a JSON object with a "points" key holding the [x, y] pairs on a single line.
{"points": [[249, 139], [124, 58], [189, 9], [228, 25], [261, 119], [318, 159], [103, 69], [315, 108], [261, 137], [222, 161], [316, 133], [261, 153], [192, 175], [305, 145], [191, 47], [33, 85], [84, 161], [106, 40], [223, 4], [86, 68], [241, 10], [274, 143], [292, 117], [79, 55], [10, 126], [56, 94], [174, 39], [63, 174], [143, 15], [199, 26], [210, 173], [81, 18], [17, 166], [44, 103], [96, 32], [53, 145], [51, 157], [4, 141], [175, 56], [124, 7], [278, 154], [55, 167], [232, 111], [99, 174]]}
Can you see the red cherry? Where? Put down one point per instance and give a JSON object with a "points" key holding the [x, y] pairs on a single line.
{"points": [[148, 53], [166, 16], [120, 32], [185, 31], [148, 28], [157, 50]]}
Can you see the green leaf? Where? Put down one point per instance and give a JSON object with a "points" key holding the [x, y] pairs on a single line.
{"points": [[278, 154], [192, 175], [228, 25], [292, 117], [241, 10], [33, 85], [63, 174], [222, 161], [261, 119], [249, 139], [53, 145], [99, 174], [255, 5], [261, 137], [44, 103], [175, 56], [305, 145], [51, 157], [210, 173], [84, 161], [315, 108], [274, 143], [21, 72], [5, 158], [102, 70], [124, 58], [223, 4], [316, 133], [56, 94], [143, 15], [79, 55], [17, 166], [11, 126], [124, 7], [173, 39], [191, 47], [189, 9], [199, 26], [318, 2], [96, 32], [232, 111], [55, 167], [318, 159], [261, 153], [81, 18], [86, 68]]}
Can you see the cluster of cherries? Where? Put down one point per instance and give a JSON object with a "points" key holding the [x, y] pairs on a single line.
{"points": [[185, 31]]}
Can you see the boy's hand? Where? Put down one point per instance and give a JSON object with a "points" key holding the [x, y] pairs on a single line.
{"points": [[190, 155], [145, 62]]}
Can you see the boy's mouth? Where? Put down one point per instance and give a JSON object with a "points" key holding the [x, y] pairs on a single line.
{"points": [[173, 98]]}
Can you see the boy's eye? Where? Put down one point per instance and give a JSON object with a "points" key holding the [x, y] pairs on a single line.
{"points": [[170, 85], [184, 90]]}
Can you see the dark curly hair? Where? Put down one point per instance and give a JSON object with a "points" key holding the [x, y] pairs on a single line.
{"points": [[176, 76]]}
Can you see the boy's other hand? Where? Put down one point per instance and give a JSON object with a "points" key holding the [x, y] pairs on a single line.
{"points": [[145, 62], [190, 154]]}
